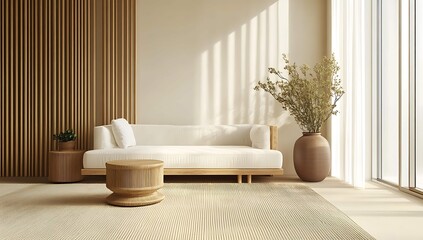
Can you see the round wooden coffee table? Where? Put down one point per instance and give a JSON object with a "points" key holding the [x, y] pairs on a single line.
{"points": [[134, 182]]}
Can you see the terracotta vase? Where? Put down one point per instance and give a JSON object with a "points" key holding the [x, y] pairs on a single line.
{"points": [[66, 146], [312, 157]]}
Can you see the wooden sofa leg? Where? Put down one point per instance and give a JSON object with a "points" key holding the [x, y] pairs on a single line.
{"points": [[239, 178], [249, 178]]}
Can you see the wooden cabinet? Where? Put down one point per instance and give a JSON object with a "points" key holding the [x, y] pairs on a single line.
{"points": [[65, 166]]}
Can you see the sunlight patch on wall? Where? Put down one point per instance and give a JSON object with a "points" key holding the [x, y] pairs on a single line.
{"points": [[252, 63], [204, 82], [217, 80], [243, 60], [263, 61], [231, 67], [231, 77]]}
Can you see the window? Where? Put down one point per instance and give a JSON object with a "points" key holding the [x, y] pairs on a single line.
{"points": [[400, 93], [418, 96], [388, 80]]}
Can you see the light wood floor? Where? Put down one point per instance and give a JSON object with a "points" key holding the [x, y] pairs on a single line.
{"points": [[384, 212]]}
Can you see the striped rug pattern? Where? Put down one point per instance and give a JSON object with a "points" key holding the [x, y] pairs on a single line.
{"points": [[189, 211]]}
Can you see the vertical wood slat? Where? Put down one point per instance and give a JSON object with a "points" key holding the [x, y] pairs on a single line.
{"points": [[53, 117], [40, 86], [81, 59], [61, 66], [77, 69], [39, 82], [75, 119], [19, 80], [94, 98], [5, 55], [105, 59], [5, 144], [112, 57], [46, 80], [18, 67], [87, 82], [89, 61], [122, 66], [24, 135], [13, 84], [10, 90], [2, 73], [48, 55], [28, 126], [133, 51], [43, 82]]}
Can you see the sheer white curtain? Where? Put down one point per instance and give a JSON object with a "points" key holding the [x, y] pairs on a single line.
{"points": [[351, 132]]}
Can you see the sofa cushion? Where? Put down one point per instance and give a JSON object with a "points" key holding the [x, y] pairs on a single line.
{"points": [[190, 135], [260, 136], [123, 133], [189, 156]]}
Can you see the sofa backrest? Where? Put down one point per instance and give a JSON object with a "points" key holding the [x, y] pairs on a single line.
{"points": [[192, 135], [174, 135]]}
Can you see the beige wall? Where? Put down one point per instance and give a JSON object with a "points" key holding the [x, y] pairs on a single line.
{"points": [[198, 60]]}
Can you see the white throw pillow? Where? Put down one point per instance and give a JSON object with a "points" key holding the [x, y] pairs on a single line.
{"points": [[124, 135], [104, 138], [260, 136]]}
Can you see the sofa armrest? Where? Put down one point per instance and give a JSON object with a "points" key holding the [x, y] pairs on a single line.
{"points": [[274, 137], [264, 137]]}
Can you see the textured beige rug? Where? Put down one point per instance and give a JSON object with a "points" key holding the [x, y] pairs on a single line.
{"points": [[189, 211]]}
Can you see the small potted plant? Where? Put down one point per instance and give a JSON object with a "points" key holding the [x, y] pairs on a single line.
{"points": [[65, 140]]}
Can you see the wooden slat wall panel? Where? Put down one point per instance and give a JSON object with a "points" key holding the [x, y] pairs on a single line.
{"points": [[48, 60], [119, 60]]}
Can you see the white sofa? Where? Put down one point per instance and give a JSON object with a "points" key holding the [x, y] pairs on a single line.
{"points": [[193, 150]]}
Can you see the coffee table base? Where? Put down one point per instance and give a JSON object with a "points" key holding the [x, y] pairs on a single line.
{"points": [[126, 200]]}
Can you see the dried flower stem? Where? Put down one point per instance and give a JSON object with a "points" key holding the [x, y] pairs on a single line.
{"points": [[310, 96]]}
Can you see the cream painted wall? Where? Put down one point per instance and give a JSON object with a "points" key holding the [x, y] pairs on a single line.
{"points": [[199, 60]]}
